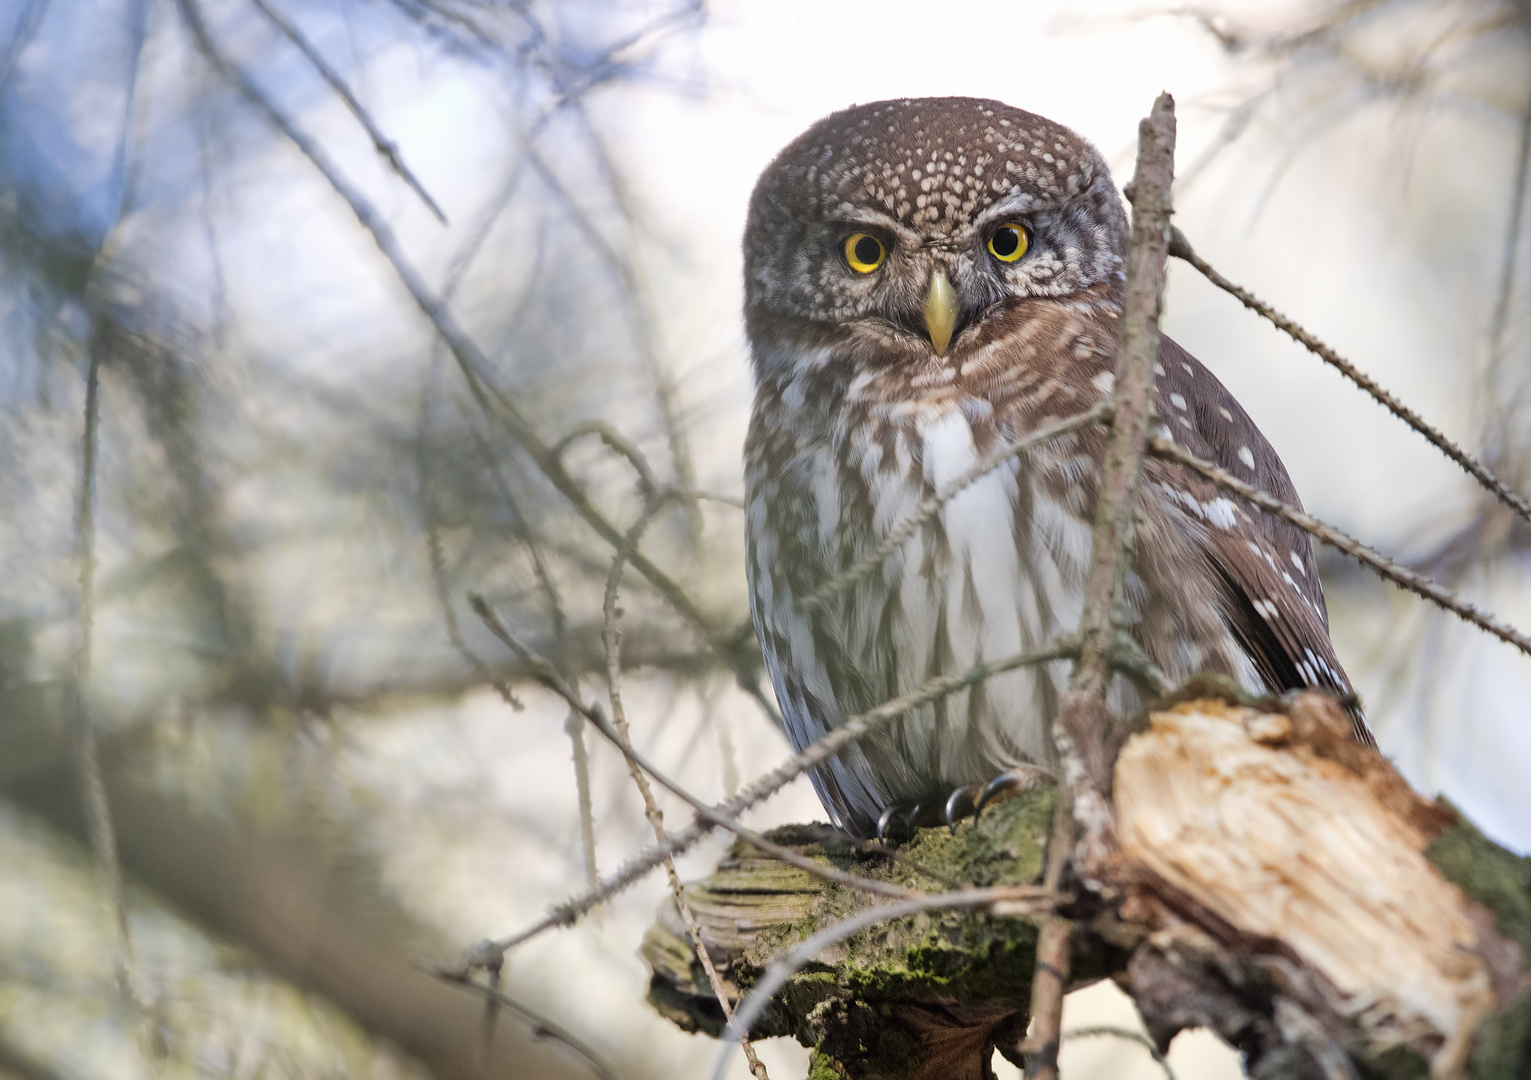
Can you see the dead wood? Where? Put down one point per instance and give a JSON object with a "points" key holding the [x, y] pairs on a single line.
{"points": [[1275, 882]]}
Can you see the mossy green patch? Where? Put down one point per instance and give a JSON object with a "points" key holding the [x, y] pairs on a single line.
{"points": [[1501, 881]]}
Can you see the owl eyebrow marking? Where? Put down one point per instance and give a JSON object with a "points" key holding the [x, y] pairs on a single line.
{"points": [[850, 214]]}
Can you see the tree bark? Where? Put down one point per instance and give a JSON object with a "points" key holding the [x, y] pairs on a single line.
{"points": [[1276, 882]]}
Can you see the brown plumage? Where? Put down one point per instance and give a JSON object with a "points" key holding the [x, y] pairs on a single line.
{"points": [[863, 409]]}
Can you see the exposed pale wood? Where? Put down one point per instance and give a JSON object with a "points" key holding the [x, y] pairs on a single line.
{"points": [[1306, 845], [1277, 883]]}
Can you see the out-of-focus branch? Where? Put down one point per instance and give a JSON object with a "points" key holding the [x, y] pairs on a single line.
{"points": [[97, 807], [612, 635], [470, 359], [386, 148], [302, 911]]}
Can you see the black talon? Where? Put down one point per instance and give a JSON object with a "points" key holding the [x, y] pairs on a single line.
{"points": [[912, 818], [951, 807], [882, 824], [1002, 782]]}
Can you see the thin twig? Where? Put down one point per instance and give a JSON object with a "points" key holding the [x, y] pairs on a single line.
{"points": [[1384, 567], [386, 148], [618, 443], [542, 1027], [932, 504], [1097, 1031], [1016, 899], [639, 866], [1499, 320], [98, 810], [471, 359], [26, 28], [721, 816], [1180, 247], [611, 636]]}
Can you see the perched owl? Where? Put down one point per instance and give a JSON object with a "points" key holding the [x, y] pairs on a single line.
{"points": [[927, 281]]}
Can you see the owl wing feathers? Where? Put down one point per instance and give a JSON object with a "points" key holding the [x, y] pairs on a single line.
{"points": [[1270, 598]]}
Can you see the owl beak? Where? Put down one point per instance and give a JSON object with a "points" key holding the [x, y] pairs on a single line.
{"points": [[940, 310]]}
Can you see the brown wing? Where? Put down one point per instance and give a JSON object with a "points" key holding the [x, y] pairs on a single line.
{"points": [[1270, 598]]}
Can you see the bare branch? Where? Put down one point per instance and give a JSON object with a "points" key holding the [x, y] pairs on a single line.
{"points": [[1180, 247], [98, 811], [1078, 729], [470, 359], [612, 637], [1098, 1031], [1384, 567], [542, 1027], [566, 913], [386, 148]]}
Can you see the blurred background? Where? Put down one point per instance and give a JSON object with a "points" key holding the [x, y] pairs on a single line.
{"points": [[219, 397]]}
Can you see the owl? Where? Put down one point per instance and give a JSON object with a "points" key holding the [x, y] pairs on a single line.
{"points": [[927, 281]]}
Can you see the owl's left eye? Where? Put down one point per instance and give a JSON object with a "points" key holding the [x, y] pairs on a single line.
{"points": [[1009, 242], [863, 252]]}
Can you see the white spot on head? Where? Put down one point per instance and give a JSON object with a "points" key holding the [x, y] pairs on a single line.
{"points": [[1105, 382], [1228, 416], [1246, 457], [1177, 400]]}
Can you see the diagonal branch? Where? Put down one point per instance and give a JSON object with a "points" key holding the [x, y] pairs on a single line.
{"points": [[471, 359], [612, 637], [569, 911], [1180, 247], [1384, 567], [386, 148]]}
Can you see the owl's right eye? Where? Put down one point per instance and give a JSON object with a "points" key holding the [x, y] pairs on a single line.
{"points": [[863, 252]]}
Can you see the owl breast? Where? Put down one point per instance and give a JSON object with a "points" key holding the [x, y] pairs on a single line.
{"points": [[999, 571]]}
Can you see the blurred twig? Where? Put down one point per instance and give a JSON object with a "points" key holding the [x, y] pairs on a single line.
{"points": [[386, 148], [542, 1027], [612, 636], [470, 359], [26, 27], [98, 811], [1098, 1031]]}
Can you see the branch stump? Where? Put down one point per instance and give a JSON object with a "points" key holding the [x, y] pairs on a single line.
{"points": [[1275, 882]]}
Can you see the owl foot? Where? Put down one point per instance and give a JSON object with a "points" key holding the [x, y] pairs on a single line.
{"points": [[901, 821]]}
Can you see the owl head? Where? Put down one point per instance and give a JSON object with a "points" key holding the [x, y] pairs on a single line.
{"points": [[908, 224]]}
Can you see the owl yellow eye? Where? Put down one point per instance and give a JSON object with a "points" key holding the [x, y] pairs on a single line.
{"points": [[864, 252], [1009, 242]]}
